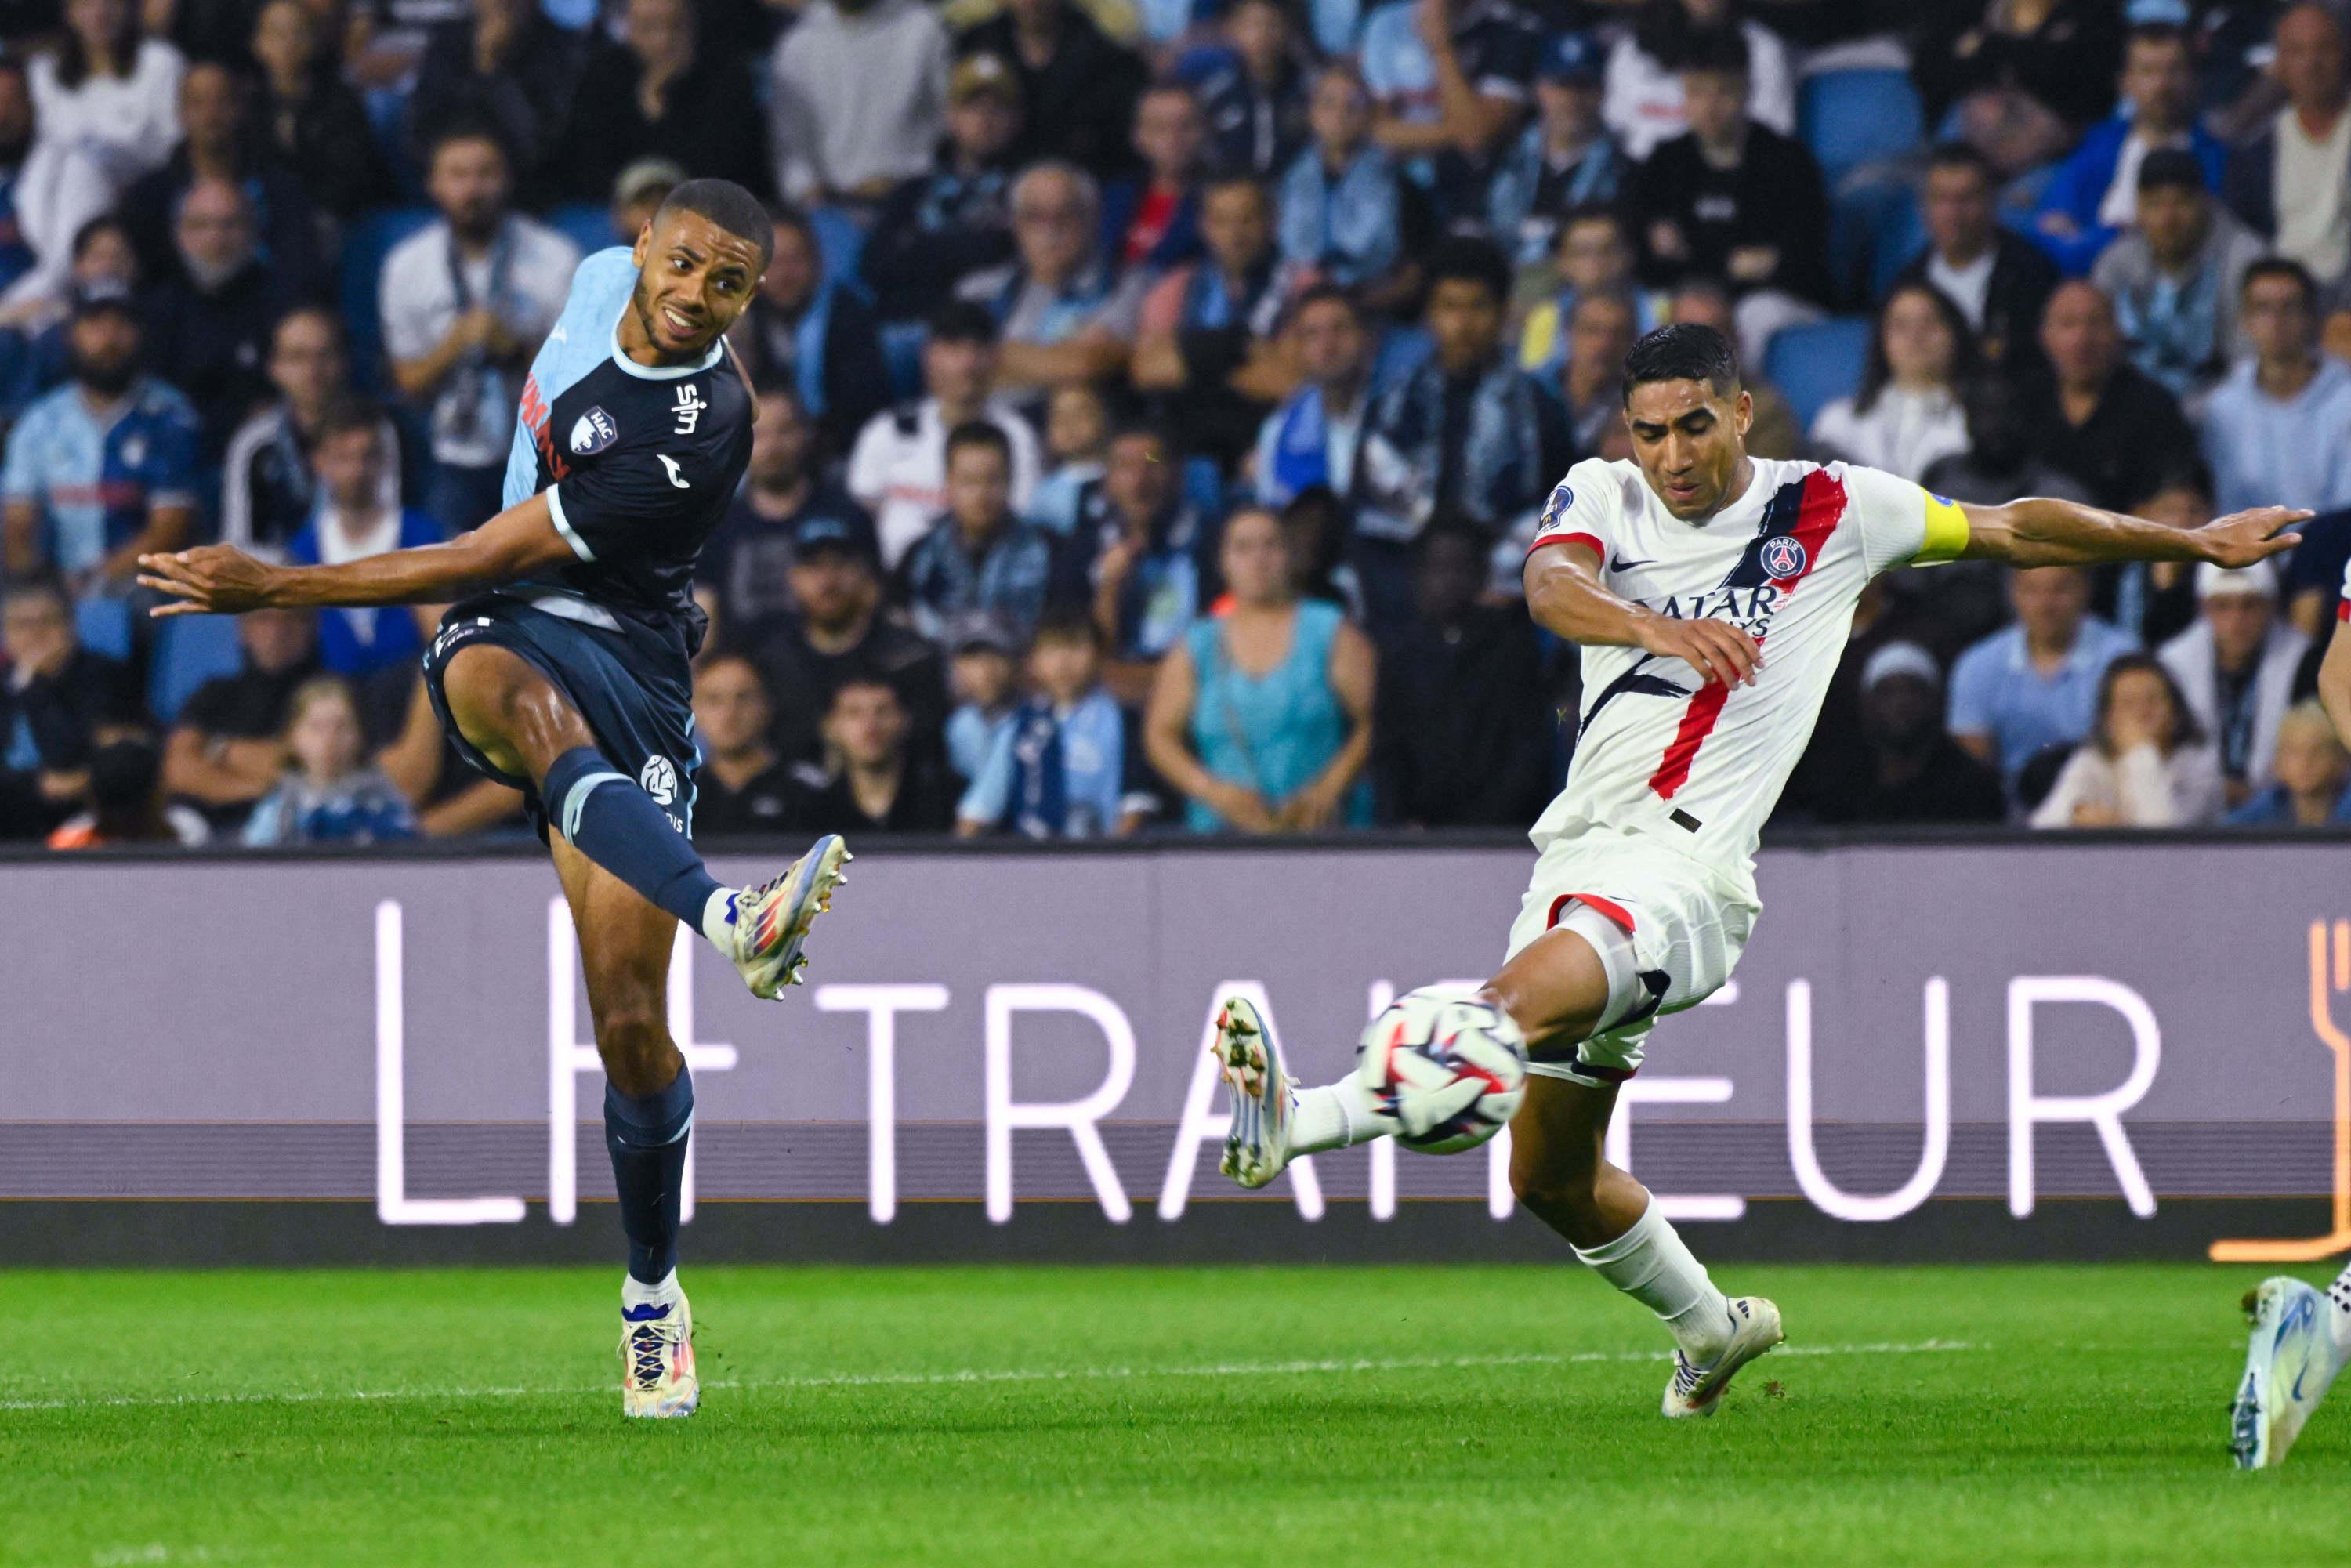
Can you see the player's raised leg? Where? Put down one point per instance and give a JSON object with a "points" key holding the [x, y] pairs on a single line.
{"points": [[526, 728], [2300, 1341], [624, 951]]}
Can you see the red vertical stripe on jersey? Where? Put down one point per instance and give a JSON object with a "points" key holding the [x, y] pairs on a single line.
{"points": [[1817, 514]]}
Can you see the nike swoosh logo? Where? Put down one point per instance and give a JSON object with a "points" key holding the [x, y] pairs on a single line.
{"points": [[1618, 563], [2297, 1395]]}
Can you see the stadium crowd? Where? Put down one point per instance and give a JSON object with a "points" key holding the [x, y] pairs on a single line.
{"points": [[1155, 395]]}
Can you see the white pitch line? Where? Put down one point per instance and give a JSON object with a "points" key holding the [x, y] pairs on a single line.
{"points": [[984, 1375]]}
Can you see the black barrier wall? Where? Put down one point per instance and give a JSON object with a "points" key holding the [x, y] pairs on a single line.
{"points": [[1989, 1048]]}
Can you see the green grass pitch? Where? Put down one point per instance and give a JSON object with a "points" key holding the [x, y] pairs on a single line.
{"points": [[1032, 1416]]}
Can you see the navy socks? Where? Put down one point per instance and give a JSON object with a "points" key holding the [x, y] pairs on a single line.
{"points": [[646, 1139], [608, 818]]}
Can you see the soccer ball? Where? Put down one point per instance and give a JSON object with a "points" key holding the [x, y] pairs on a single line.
{"points": [[1450, 1071]]}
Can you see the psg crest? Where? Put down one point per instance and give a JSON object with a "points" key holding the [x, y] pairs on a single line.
{"points": [[593, 432], [1783, 556]]}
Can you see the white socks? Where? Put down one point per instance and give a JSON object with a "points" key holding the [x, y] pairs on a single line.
{"points": [[1334, 1117], [635, 1293], [1651, 1264], [718, 920]]}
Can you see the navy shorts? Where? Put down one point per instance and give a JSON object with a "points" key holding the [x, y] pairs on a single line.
{"points": [[631, 684]]}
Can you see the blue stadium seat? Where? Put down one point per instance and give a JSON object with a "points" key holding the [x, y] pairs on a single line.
{"points": [[1857, 117], [842, 240], [1875, 228], [1817, 364], [902, 351], [103, 626], [585, 225], [189, 651], [365, 245]]}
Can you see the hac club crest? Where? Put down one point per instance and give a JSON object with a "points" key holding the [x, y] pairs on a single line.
{"points": [[592, 432], [1783, 556]]}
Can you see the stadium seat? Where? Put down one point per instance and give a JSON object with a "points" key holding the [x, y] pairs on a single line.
{"points": [[842, 240], [585, 225], [902, 351], [1816, 364], [365, 245], [103, 626], [1875, 228], [1857, 117], [189, 651]]}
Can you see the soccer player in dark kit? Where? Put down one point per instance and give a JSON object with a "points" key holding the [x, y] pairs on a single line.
{"points": [[561, 668]]}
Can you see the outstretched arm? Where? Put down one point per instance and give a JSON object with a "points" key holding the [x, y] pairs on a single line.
{"points": [[219, 580], [1565, 595], [2039, 531]]}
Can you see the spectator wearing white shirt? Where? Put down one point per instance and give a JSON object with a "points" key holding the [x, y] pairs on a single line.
{"points": [[2277, 431], [51, 189], [2145, 764], [859, 100], [465, 303], [2292, 181], [1907, 413], [110, 89], [2235, 670], [898, 469], [1643, 102]]}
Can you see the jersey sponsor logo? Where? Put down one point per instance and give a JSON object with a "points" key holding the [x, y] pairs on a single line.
{"points": [[1784, 556], [534, 412], [690, 408], [675, 477], [592, 432]]}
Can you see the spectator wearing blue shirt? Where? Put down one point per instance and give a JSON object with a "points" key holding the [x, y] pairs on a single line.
{"points": [[1309, 441], [1151, 557], [980, 556], [1252, 89], [2175, 275], [2035, 684], [1566, 160], [984, 681], [2277, 431], [328, 795], [2093, 196], [1346, 211], [1057, 768], [2308, 772], [352, 522], [102, 470]]}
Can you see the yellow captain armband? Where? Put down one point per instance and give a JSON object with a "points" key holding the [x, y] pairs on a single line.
{"points": [[1947, 531]]}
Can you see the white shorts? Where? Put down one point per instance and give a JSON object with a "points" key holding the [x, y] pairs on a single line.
{"points": [[1688, 925]]}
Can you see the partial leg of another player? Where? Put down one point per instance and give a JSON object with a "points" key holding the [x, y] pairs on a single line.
{"points": [[1561, 990], [2300, 1341], [624, 953], [515, 716]]}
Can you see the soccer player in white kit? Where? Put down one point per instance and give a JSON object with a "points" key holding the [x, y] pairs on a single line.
{"points": [[1712, 594]]}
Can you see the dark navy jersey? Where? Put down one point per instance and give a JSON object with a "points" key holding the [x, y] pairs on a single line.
{"points": [[639, 463]]}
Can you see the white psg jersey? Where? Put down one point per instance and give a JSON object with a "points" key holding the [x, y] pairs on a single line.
{"points": [[1699, 767]]}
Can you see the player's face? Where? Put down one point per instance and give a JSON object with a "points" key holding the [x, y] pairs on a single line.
{"points": [[693, 279], [979, 488], [730, 708], [1689, 441]]}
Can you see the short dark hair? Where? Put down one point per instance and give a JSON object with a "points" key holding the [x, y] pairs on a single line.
{"points": [[2158, 33], [2171, 168], [1717, 51], [38, 585], [963, 321], [1465, 258], [346, 414], [978, 432], [1132, 428], [1683, 352], [1067, 624], [1961, 155], [313, 311], [2284, 267], [728, 205], [1327, 294], [93, 227], [1593, 212], [467, 128]]}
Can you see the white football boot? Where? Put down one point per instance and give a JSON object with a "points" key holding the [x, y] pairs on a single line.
{"points": [[657, 1360], [1698, 1390], [772, 920], [2291, 1360], [1257, 1146]]}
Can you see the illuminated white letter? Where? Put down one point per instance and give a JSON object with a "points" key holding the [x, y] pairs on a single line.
{"points": [[1202, 1126], [1077, 1116], [392, 1204], [1809, 1177], [881, 1004], [2103, 1112], [1671, 1092]]}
